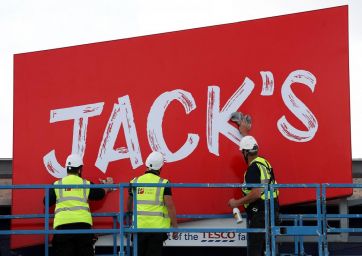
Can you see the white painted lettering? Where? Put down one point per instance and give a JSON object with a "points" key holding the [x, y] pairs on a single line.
{"points": [[154, 125], [122, 115], [80, 115], [217, 121], [298, 108]]}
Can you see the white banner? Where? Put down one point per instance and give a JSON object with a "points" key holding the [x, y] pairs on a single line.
{"points": [[221, 239]]}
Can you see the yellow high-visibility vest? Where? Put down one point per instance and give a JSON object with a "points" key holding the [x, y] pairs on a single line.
{"points": [[72, 203], [151, 209], [265, 178]]}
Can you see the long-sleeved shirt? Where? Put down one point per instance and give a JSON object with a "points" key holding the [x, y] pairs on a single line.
{"points": [[94, 194]]}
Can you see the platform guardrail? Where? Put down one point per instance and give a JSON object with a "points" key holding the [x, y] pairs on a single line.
{"points": [[272, 230]]}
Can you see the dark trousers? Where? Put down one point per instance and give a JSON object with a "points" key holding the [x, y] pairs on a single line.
{"points": [[256, 241], [150, 244], [73, 244]]}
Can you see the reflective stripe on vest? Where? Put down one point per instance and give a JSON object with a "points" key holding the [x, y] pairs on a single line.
{"points": [[149, 202], [151, 210], [265, 176], [74, 208], [72, 203], [143, 213]]}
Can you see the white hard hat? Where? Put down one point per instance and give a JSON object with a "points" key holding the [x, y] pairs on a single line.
{"points": [[74, 160], [155, 160], [248, 143]]}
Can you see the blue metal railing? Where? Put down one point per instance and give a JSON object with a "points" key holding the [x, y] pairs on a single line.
{"points": [[271, 230], [298, 230], [326, 228], [136, 230]]}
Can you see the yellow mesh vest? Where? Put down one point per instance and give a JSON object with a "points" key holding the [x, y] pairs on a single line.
{"points": [[151, 209], [72, 203], [265, 176]]}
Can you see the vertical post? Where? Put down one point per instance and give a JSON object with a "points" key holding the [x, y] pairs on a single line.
{"points": [[322, 221], [46, 222], [301, 241], [114, 235], [121, 224], [135, 225], [128, 250], [267, 223], [296, 239], [272, 219], [128, 221]]}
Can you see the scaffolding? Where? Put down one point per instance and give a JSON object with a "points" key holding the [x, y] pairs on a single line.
{"points": [[123, 227]]}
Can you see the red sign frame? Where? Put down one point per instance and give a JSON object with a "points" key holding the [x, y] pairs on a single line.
{"points": [[115, 101]]}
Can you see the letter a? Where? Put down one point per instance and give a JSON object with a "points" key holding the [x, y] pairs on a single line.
{"points": [[122, 115]]}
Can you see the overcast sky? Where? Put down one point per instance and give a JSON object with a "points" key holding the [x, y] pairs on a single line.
{"points": [[42, 24]]}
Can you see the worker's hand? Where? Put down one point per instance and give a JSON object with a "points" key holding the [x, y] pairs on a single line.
{"points": [[244, 127], [108, 180], [233, 203], [236, 117]]}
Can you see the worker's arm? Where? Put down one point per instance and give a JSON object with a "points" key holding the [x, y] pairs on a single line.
{"points": [[127, 218], [99, 193], [171, 210], [254, 195], [252, 176], [96, 194], [130, 199], [108, 180], [52, 197], [130, 203]]}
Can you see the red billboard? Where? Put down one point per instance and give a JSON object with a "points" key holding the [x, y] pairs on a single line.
{"points": [[114, 102]]}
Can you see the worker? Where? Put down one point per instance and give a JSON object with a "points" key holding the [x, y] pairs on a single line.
{"points": [[259, 171], [72, 210], [155, 207]]}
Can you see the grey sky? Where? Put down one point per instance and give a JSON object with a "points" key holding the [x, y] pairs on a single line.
{"points": [[39, 24]]}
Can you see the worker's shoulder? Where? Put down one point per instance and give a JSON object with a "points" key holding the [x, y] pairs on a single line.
{"points": [[261, 160], [164, 180]]}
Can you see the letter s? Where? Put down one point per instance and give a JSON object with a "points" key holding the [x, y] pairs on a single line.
{"points": [[298, 108]]}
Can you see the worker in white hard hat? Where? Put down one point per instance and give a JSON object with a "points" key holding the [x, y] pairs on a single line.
{"points": [[155, 207], [259, 171], [72, 210]]}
